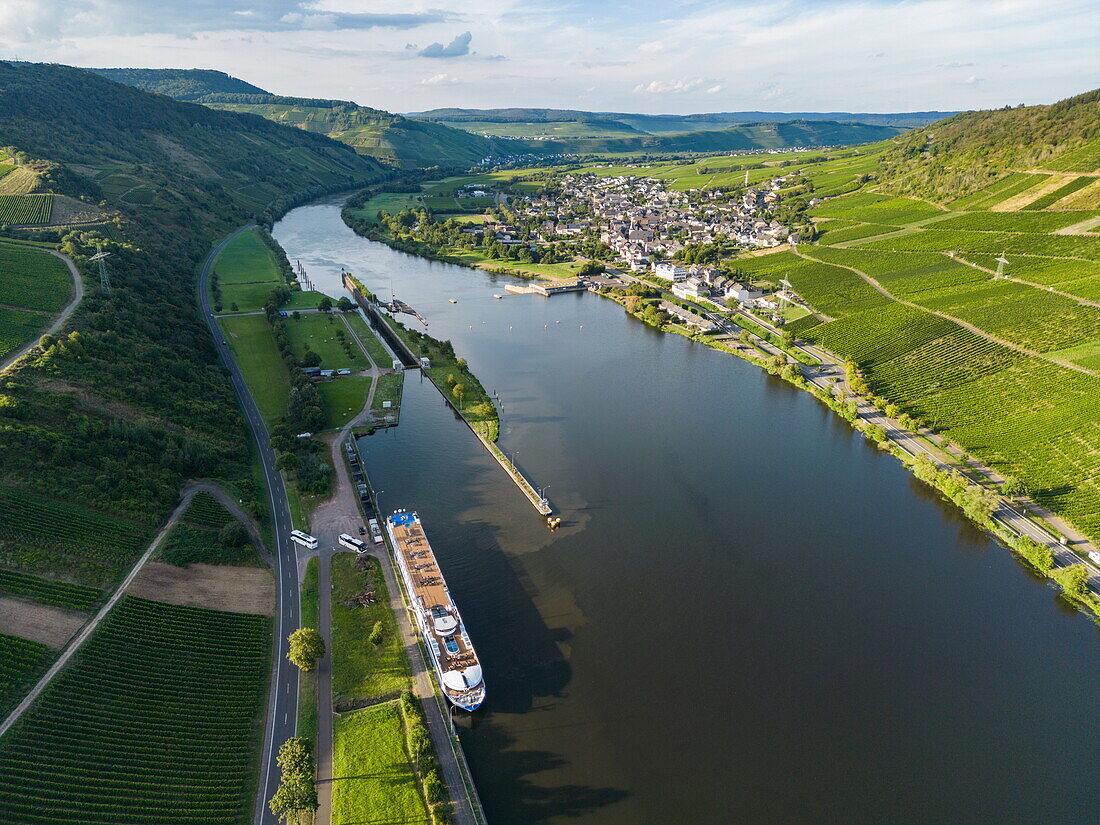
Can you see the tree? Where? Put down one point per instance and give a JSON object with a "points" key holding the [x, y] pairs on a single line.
{"points": [[1014, 487], [295, 757], [298, 793], [376, 634], [233, 534], [345, 304], [1075, 581], [310, 359], [287, 463], [591, 268], [325, 305], [459, 392], [306, 648]]}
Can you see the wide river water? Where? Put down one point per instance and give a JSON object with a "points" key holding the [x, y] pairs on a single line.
{"points": [[749, 614]]}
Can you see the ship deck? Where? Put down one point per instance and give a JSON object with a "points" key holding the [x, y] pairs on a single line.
{"points": [[431, 596]]}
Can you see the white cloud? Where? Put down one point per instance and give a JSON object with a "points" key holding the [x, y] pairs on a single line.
{"points": [[441, 79], [828, 55], [671, 87]]}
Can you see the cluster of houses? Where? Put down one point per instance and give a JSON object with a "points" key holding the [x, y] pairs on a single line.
{"points": [[696, 282], [641, 218]]}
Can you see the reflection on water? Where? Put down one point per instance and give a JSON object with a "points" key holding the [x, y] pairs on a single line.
{"points": [[748, 616]]}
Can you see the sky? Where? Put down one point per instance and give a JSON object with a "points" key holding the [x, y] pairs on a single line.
{"points": [[677, 56]]}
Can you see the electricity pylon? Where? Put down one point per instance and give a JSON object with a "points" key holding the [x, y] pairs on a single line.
{"points": [[104, 278]]}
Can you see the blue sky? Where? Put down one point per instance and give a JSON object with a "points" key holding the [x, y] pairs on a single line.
{"points": [[678, 56]]}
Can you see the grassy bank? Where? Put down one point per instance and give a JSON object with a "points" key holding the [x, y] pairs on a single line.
{"points": [[373, 775], [307, 682], [363, 670], [455, 380]]}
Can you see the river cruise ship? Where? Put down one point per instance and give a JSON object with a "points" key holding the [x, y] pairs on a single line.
{"points": [[437, 618]]}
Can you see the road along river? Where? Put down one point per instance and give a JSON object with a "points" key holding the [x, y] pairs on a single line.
{"points": [[749, 615]]}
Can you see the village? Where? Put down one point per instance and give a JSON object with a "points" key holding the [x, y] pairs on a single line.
{"points": [[647, 228]]}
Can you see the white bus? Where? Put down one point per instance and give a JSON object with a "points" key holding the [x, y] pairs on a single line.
{"points": [[352, 543], [304, 539]]}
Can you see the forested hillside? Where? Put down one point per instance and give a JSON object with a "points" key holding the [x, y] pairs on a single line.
{"points": [[392, 139], [99, 428], [182, 84], [956, 157]]}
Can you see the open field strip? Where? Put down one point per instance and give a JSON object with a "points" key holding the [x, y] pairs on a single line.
{"points": [[373, 780], [253, 343]]}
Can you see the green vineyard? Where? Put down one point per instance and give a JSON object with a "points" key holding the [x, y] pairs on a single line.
{"points": [[26, 209], [30, 278], [205, 511], [21, 662], [49, 591], [45, 534], [18, 326], [158, 722]]}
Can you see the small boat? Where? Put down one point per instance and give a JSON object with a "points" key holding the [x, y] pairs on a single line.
{"points": [[453, 301], [498, 297]]}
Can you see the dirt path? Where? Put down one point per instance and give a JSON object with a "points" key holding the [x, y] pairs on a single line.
{"points": [[78, 296]]}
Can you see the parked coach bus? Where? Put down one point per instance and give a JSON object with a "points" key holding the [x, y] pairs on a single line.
{"points": [[352, 543], [304, 539]]}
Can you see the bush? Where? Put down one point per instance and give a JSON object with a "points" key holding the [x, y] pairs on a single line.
{"points": [[376, 634], [233, 535]]}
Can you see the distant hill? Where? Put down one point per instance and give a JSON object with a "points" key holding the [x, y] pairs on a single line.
{"points": [[661, 124], [968, 152], [390, 138], [744, 136], [182, 84]]}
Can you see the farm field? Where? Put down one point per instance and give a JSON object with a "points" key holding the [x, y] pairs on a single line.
{"points": [[158, 721], [254, 348], [343, 398], [1035, 319], [392, 202], [21, 662], [326, 335], [49, 591], [51, 536], [18, 326], [33, 279], [360, 669], [247, 272], [25, 209], [372, 778]]}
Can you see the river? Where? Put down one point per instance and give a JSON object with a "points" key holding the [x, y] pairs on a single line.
{"points": [[749, 615]]}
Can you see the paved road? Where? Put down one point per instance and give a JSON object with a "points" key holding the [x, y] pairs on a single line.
{"points": [[78, 296], [283, 697]]}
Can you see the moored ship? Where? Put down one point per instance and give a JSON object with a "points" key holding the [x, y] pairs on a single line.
{"points": [[437, 618]]}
